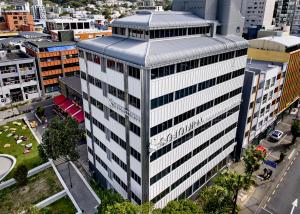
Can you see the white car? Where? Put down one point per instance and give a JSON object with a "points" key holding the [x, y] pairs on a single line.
{"points": [[276, 135]]}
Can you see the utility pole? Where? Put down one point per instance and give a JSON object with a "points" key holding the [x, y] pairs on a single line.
{"points": [[236, 195]]}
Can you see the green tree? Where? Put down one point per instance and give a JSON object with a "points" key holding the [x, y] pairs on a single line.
{"points": [[295, 130], [216, 200], [252, 161], [60, 140], [122, 208], [40, 111], [167, 5], [233, 181], [182, 206], [20, 175]]}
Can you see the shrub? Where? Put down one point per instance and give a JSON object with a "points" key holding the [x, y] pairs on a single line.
{"points": [[20, 175]]}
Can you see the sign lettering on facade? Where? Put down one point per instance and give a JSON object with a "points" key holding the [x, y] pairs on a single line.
{"points": [[124, 110], [189, 127]]}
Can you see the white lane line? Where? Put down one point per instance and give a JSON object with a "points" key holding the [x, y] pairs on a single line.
{"points": [[284, 174], [273, 192], [277, 186], [269, 200], [281, 179], [267, 211], [291, 155], [282, 139]]}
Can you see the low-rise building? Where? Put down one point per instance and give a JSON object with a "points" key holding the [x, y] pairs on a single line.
{"points": [[17, 20], [262, 89], [69, 24], [282, 49], [83, 34], [54, 60], [18, 79]]}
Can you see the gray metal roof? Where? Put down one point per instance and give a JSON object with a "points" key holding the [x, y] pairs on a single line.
{"points": [[158, 52], [72, 82], [159, 19], [47, 44]]}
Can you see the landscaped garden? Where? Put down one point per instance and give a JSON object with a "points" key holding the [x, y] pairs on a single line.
{"points": [[17, 140], [16, 198], [63, 205]]}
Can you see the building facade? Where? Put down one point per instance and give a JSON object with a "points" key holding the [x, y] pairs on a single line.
{"points": [[38, 10], [161, 100], [263, 86], [284, 49], [54, 60], [17, 20], [295, 28], [69, 24], [18, 79], [258, 14], [285, 12]]}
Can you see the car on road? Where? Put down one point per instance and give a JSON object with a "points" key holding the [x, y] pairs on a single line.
{"points": [[276, 135]]}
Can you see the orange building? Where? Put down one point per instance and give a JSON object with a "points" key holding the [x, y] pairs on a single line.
{"points": [[17, 20], [285, 49], [83, 34], [54, 60]]}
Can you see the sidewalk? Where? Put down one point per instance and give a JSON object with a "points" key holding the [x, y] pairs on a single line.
{"points": [[251, 200], [86, 200]]}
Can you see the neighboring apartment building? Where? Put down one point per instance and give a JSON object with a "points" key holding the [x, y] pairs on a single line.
{"points": [[16, 20], [69, 24], [285, 12], [262, 89], [54, 60], [161, 100], [18, 77], [38, 10], [258, 14], [83, 34], [295, 28], [284, 49]]}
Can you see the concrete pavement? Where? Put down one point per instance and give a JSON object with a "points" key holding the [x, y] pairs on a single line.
{"points": [[286, 192], [79, 190]]}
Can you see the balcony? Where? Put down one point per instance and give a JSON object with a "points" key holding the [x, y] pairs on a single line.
{"points": [[50, 81], [259, 93], [68, 52], [71, 60], [48, 54], [52, 63], [72, 69], [51, 72]]}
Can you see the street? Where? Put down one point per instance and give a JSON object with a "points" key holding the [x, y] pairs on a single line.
{"points": [[286, 192]]}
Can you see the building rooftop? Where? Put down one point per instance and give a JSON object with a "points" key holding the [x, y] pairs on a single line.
{"points": [[276, 43], [47, 44], [31, 34], [13, 56], [261, 66], [72, 82], [68, 20], [160, 19], [159, 52]]}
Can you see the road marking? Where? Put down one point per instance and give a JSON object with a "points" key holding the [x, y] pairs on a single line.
{"points": [[281, 180], [292, 162], [273, 192], [292, 153], [267, 210], [284, 174], [282, 139], [270, 154], [268, 201], [285, 124], [288, 168], [277, 186]]}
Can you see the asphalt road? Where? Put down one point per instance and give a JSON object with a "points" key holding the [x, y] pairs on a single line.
{"points": [[286, 192]]}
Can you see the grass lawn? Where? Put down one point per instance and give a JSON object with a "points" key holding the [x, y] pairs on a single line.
{"points": [[31, 159], [39, 187], [63, 205]]}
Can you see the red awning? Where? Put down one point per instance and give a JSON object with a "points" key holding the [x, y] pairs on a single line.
{"points": [[65, 105], [59, 99], [72, 110], [79, 117]]}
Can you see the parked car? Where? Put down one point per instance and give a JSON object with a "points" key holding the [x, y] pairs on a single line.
{"points": [[276, 135]]}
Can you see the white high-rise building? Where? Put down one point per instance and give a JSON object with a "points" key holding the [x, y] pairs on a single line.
{"points": [[38, 10], [258, 14], [161, 101], [295, 28]]}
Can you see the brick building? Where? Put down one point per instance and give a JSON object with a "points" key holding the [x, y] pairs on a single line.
{"points": [[16, 20]]}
